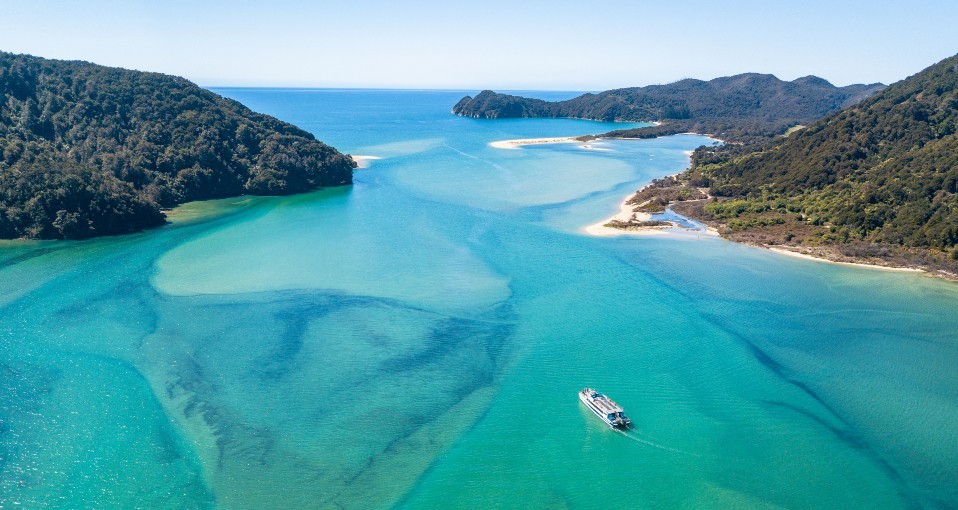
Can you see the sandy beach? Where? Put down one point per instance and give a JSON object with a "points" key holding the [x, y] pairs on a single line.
{"points": [[363, 161], [625, 214], [790, 253], [599, 229]]}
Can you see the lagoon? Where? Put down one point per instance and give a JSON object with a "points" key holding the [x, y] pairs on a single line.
{"points": [[417, 340]]}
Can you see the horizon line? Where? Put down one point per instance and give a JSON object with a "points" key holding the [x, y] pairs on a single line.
{"points": [[404, 89]]}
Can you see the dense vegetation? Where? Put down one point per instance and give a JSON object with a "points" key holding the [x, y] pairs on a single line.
{"points": [[875, 180], [87, 150], [736, 108]]}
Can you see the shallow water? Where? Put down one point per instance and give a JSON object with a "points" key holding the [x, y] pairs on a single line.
{"points": [[417, 340]]}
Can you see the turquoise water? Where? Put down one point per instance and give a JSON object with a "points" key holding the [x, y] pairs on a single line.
{"points": [[417, 341]]}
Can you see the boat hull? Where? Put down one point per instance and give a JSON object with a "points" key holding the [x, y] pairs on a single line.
{"points": [[591, 399]]}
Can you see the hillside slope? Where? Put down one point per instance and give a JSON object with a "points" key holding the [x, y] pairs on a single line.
{"points": [[87, 150], [733, 108], [878, 180]]}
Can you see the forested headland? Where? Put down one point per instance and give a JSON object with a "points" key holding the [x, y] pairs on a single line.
{"points": [[874, 182], [736, 108], [859, 173], [88, 150]]}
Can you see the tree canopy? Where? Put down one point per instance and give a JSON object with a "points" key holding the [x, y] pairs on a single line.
{"points": [[882, 171], [88, 150], [734, 108]]}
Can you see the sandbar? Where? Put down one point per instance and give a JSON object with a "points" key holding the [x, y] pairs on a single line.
{"points": [[515, 144], [625, 214], [363, 161]]}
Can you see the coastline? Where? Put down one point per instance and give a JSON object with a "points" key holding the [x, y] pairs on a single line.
{"points": [[625, 209], [799, 255], [626, 213]]}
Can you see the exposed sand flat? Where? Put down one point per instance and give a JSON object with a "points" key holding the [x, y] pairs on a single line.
{"points": [[599, 229], [806, 256], [515, 144], [592, 147], [625, 214], [363, 161]]}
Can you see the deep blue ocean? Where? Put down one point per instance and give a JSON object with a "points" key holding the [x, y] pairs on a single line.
{"points": [[418, 339]]}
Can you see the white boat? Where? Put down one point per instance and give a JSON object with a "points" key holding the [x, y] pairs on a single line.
{"points": [[605, 408]]}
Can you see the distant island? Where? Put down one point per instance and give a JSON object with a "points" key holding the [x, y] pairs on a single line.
{"points": [[863, 174], [735, 109], [88, 150]]}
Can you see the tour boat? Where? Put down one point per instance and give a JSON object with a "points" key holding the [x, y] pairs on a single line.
{"points": [[605, 408]]}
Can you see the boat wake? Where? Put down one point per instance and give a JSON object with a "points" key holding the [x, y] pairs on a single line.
{"points": [[635, 437]]}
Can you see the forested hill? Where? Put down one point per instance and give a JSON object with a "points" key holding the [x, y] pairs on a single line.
{"points": [[734, 108], [883, 173], [87, 150]]}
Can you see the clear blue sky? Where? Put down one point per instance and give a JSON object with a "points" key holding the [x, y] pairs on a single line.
{"points": [[514, 44]]}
